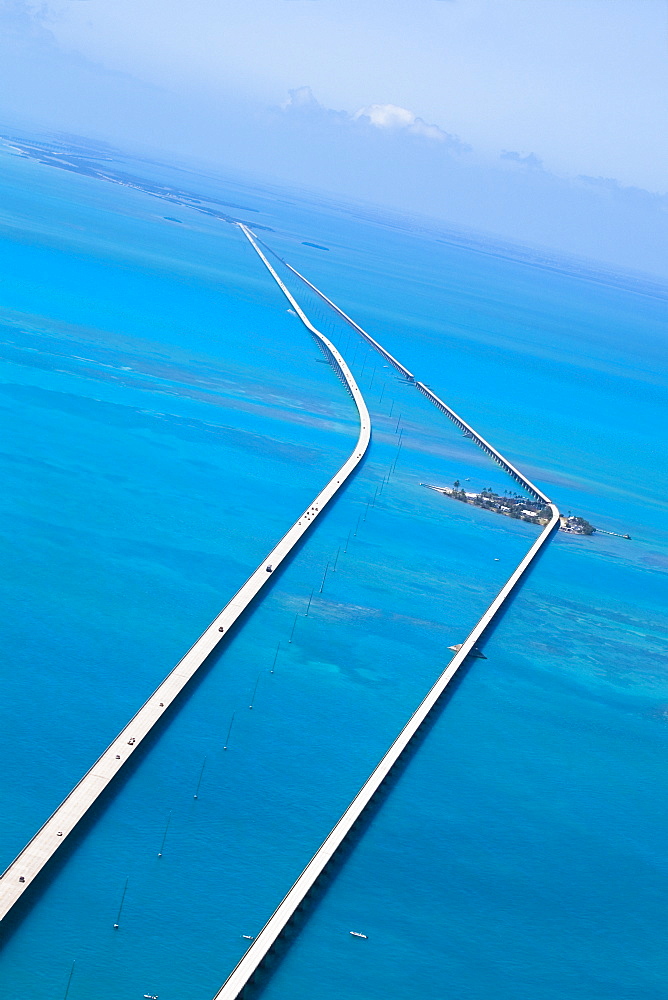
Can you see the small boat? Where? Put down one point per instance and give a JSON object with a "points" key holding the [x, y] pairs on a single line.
{"points": [[475, 652], [249, 937], [150, 996], [358, 934]]}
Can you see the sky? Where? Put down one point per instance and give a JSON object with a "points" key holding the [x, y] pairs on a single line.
{"points": [[539, 120]]}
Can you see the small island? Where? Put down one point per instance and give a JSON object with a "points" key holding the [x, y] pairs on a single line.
{"points": [[514, 505]]}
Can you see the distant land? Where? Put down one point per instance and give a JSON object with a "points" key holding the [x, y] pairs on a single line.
{"points": [[77, 159]]}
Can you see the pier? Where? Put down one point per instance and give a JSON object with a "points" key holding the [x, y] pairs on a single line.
{"points": [[242, 974], [25, 868]]}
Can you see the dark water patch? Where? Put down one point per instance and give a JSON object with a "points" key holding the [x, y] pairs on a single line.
{"points": [[183, 428], [240, 389]]}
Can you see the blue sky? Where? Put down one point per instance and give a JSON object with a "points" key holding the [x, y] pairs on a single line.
{"points": [[542, 120]]}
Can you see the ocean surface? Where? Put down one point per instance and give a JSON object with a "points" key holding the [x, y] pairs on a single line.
{"points": [[164, 419]]}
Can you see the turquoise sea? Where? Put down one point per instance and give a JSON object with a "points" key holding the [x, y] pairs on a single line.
{"points": [[164, 419]]}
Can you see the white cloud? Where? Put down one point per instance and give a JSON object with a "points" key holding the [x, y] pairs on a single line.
{"points": [[391, 116], [386, 117]]}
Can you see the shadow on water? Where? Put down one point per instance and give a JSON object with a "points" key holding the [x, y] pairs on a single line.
{"points": [[53, 868], [256, 987], [62, 857]]}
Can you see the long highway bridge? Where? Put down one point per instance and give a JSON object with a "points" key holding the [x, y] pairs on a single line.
{"points": [[425, 390], [25, 868], [22, 872], [242, 974]]}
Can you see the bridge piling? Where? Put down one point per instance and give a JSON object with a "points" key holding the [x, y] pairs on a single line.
{"points": [[28, 864], [241, 975]]}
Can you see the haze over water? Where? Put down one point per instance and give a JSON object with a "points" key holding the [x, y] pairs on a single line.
{"points": [[166, 420]]}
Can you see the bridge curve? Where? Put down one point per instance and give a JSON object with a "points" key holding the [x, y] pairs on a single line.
{"points": [[242, 974], [488, 448], [27, 865]]}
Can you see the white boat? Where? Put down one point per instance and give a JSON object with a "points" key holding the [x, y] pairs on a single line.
{"points": [[358, 934], [249, 937]]}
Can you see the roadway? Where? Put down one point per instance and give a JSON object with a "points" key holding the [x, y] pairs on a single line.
{"points": [[25, 868], [426, 391], [246, 968]]}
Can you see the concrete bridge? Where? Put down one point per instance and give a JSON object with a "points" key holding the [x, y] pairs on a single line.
{"points": [[242, 974], [36, 854], [22, 872], [426, 391]]}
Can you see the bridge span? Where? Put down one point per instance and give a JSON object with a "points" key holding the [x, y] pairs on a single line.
{"points": [[426, 391], [25, 868], [242, 974]]}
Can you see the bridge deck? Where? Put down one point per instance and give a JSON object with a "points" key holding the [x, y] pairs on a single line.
{"points": [[241, 975], [488, 448], [28, 864], [265, 940]]}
